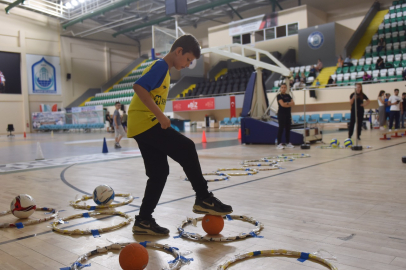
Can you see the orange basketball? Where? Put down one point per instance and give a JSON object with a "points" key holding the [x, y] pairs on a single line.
{"points": [[133, 257], [212, 224]]}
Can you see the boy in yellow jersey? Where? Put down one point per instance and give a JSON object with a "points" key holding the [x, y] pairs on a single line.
{"points": [[157, 140]]}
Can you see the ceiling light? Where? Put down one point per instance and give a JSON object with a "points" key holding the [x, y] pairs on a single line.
{"points": [[74, 3], [81, 1], [68, 5]]}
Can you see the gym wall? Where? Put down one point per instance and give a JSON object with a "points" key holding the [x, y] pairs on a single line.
{"points": [[90, 62]]}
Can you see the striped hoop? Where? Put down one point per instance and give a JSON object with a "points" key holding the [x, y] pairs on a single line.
{"points": [[20, 225]]}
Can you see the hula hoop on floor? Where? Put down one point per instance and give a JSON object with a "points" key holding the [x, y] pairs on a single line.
{"points": [[95, 233], [295, 155], [20, 225], [224, 177], [195, 236], [175, 264], [247, 171], [280, 159], [75, 203], [302, 256]]}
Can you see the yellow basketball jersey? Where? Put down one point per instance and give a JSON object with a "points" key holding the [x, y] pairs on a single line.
{"points": [[155, 79]]}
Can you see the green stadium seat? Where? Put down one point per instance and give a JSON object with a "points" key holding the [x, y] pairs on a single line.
{"points": [[367, 55], [367, 67], [360, 68], [345, 69], [375, 54], [396, 64], [352, 69], [375, 42], [339, 70]]}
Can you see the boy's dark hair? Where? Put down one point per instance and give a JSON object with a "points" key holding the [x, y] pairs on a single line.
{"points": [[189, 44], [283, 84], [117, 103], [404, 93], [396, 89]]}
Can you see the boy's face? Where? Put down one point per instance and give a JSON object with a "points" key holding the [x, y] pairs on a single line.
{"points": [[118, 106], [182, 60]]}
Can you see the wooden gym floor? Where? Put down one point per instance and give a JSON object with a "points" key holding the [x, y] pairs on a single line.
{"points": [[351, 204]]}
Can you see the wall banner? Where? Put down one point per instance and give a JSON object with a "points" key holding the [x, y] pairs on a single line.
{"points": [[44, 74]]}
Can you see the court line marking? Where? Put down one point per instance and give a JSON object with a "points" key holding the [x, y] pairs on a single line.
{"points": [[190, 196]]}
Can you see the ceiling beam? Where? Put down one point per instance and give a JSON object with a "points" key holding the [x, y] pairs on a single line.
{"points": [[190, 11], [14, 4], [235, 11], [99, 12]]}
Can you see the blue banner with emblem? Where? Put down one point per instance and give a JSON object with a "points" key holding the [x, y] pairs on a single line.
{"points": [[44, 74]]}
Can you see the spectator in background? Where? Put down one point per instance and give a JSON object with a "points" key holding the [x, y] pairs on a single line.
{"points": [[108, 120], [404, 74], [297, 77], [124, 121], [366, 77], [387, 107], [317, 83], [360, 110], [319, 65], [312, 72], [348, 61], [303, 77], [299, 85], [381, 45], [340, 61], [381, 109], [403, 111], [395, 103], [380, 63], [118, 127], [2, 83], [330, 81]]}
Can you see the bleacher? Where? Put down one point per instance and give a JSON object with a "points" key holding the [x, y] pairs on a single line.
{"points": [[234, 81], [323, 119], [71, 126], [122, 91]]}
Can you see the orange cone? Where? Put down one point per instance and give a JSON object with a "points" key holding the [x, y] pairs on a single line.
{"points": [[204, 137], [25, 135], [239, 134]]}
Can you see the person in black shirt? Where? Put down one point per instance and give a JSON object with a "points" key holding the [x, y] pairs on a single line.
{"points": [[403, 111], [285, 102], [360, 110]]}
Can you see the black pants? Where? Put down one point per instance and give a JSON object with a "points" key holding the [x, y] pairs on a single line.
{"points": [[285, 121], [360, 116], [394, 115], [156, 144]]}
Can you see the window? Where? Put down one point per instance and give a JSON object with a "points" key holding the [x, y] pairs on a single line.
{"points": [[293, 29], [237, 39], [259, 36], [246, 38], [281, 31], [270, 33]]}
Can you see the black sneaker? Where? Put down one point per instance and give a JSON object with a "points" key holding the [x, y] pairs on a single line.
{"points": [[149, 227], [211, 206]]}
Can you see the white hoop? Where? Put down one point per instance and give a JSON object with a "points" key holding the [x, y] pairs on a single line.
{"points": [[195, 236], [247, 171], [177, 263], [75, 204], [224, 178], [20, 225], [95, 233], [277, 252]]}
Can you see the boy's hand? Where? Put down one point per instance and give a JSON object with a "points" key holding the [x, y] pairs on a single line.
{"points": [[164, 121]]}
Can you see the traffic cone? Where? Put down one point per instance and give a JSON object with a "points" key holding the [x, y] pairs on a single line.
{"points": [[239, 134], [52, 133], [204, 140], [39, 156], [25, 135], [105, 150]]}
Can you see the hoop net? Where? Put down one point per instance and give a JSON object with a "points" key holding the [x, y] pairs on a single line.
{"points": [[163, 38]]}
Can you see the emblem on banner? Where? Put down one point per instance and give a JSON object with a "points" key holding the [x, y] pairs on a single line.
{"points": [[43, 77], [315, 40]]}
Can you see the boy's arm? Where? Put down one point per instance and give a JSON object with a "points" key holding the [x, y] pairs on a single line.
{"points": [[149, 102], [115, 120]]}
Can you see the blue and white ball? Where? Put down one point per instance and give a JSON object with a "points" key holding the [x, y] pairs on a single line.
{"points": [[103, 195], [334, 143], [348, 143]]}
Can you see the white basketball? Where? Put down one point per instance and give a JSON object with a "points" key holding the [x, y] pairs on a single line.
{"points": [[23, 206], [103, 194]]}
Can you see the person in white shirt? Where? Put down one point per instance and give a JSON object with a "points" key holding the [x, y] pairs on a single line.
{"points": [[299, 85], [395, 103]]}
